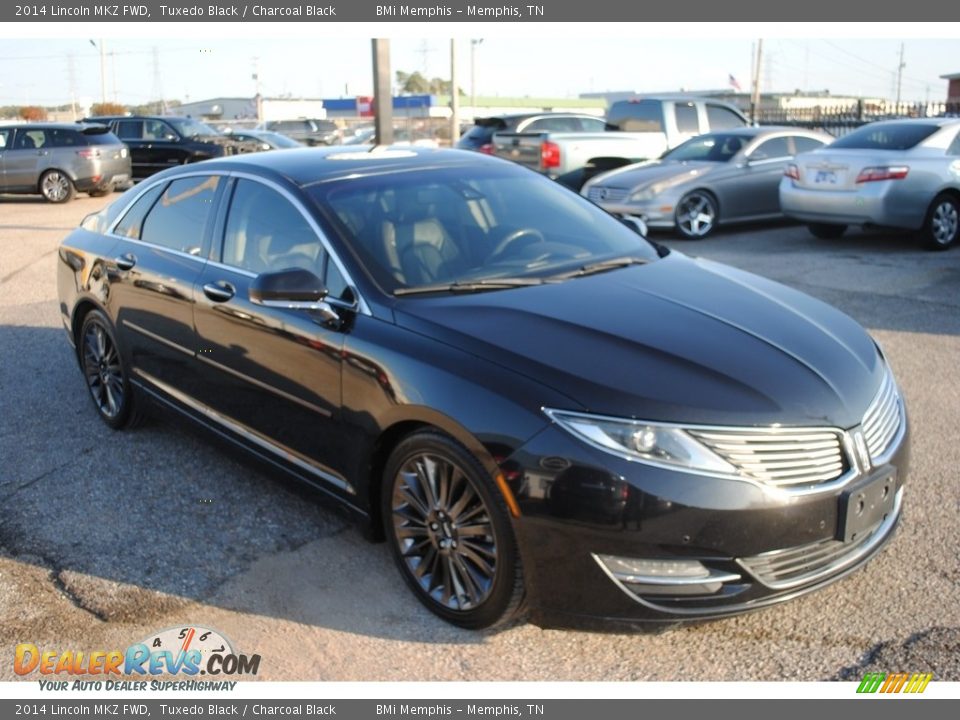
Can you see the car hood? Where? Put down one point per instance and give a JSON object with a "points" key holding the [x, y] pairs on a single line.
{"points": [[677, 340], [643, 174]]}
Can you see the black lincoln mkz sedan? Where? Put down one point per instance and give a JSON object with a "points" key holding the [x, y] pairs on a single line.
{"points": [[535, 407]]}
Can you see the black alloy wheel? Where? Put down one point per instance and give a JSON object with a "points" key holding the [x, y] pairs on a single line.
{"points": [[104, 372], [449, 531]]}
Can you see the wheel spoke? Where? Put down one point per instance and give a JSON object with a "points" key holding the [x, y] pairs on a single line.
{"points": [[479, 530], [467, 581]]}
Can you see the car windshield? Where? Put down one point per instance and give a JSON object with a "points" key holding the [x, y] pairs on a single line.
{"points": [[192, 128], [712, 148], [886, 136], [280, 141], [470, 225]]}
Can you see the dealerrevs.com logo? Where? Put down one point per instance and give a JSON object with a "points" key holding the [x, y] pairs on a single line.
{"points": [[188, 651]]}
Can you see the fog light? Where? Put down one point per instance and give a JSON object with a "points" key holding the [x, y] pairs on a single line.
{"points": [[645, 576]]}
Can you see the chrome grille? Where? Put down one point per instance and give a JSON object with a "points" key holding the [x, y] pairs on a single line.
{"points": [[883, 418], [799, 565], [779, 456], [607, 194]]}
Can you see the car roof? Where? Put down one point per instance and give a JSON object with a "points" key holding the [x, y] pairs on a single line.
{"points": [[308, 166], [49, 125], [752, 131]]}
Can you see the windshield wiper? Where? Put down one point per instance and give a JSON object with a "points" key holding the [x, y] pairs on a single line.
{"points": [[602, 266], [471, 286]]}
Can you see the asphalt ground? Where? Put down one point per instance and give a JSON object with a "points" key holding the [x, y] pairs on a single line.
{"points": [[106, 537]]}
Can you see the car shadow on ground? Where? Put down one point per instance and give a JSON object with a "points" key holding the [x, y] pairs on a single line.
{"points": [[132, 525]]}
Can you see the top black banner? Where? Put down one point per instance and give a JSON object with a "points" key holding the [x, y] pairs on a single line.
{"points": [[579, 11]]}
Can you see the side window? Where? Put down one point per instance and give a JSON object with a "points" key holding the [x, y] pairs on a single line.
{"points": [[805, 144], [593, 124], [66, 138], [5, 138], [561, 124], [687, 121], [335, 283], [954, 148], [31, 140], [265, 232], [157, 130], [132, 222], [178, 219], [778, 147], [130, 129], [721, 118]]}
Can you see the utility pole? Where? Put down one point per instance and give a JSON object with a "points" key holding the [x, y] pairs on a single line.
{"points": [[113, 73], [382, 95], [72, 78], [900, 68], [454, 96], [755, 100]]}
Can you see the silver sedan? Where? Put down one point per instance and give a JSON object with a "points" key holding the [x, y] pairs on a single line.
{"points": [[896, 173], [727, 176]]}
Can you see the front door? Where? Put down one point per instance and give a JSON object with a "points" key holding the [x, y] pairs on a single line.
{"points": [[271, 374]]}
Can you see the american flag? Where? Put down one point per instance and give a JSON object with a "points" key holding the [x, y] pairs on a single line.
{"points": [[733, 83]]}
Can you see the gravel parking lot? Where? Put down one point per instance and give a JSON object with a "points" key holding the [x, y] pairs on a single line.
{"points": [[107, 537]]}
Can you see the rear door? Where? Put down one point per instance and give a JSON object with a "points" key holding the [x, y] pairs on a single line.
{"points": [[164, 240], [23, 161], [131, 133], [6, 140]]}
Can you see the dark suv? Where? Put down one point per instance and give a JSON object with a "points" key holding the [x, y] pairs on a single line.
{"points": [[306, 130], [159, 142], [480, 136], [58, 159]]}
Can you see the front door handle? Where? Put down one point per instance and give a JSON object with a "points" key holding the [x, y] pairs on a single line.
{"points": [[219, 291], [126, 261]]}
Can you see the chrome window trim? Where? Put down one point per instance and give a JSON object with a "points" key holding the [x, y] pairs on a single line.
{"points": [[359, 305]]}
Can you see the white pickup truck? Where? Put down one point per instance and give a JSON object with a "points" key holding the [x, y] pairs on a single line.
{"points": [[640, 129]]}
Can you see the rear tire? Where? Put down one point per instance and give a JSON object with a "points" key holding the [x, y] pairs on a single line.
{"points": [[56, 186], [103, 192], [826, 231], [942, 225], [450, 533]]}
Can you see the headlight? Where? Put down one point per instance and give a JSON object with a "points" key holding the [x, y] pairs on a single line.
{"points": [[647, 193], [641, 441]]}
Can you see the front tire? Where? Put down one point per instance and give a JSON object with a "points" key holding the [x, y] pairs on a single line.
{"points": [[105, 373], [696, 215], [56, 186], [826, 231], [943, 223], [449, 532]]}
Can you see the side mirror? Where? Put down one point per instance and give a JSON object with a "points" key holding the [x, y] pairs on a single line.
{"points": [[170, 137], [293, 289]]}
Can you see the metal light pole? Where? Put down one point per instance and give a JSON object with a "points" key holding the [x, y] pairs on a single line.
{"points": [[473, 70], [103, 70], [454, 96]]}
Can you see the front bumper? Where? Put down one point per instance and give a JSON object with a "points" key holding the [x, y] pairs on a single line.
{"points": [[658, 213], [766, 545]]}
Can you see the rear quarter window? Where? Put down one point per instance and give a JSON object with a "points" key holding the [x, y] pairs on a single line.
{"points": [[721, 118], [637, 116]]}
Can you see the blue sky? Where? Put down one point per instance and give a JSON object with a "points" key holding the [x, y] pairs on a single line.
{"points": [[39, 71]]}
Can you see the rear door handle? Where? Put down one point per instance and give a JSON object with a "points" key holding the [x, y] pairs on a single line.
{"points": [[126, 262], [219, 291]]}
